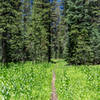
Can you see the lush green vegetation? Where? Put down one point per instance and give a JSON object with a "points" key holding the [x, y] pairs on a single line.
{"points": [[26, 81], [39, 30], [33, 81], [77, 82], [82, 33]]}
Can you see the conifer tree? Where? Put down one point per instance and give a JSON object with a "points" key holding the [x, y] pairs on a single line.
{"points": [[78, 20], [10, 17], [37, 33], [55, 18], [95, 24]]}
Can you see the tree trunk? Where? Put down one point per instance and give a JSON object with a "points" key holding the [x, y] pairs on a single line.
{"points": [[49, 47], [4, 49]]}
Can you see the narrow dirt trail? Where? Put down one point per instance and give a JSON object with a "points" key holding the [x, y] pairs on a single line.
{"points": [[53, 95]]}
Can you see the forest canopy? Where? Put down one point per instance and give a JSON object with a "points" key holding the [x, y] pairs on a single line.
{"points": [[42, 29]]}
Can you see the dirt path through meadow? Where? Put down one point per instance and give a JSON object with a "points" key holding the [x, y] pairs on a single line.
{"points": [[53, 95]]}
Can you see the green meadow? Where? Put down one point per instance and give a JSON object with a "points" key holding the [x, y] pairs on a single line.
{"points": [[77, 82], [33, 81]]}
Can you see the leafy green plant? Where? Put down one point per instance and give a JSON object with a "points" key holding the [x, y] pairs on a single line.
{"points": [[26, 81], [77, 82]]}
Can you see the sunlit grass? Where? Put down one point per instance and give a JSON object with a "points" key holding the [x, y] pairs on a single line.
{"points": [[77, 82], [26, 82], [33, 81]]}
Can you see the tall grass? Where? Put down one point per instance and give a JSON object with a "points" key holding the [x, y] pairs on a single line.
{"points": [[77, 82], [26, 81], [33, 81]]}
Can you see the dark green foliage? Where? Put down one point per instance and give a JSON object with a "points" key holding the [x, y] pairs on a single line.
{"points": [[37, 32], [79, 19], [10, 31], [41, 31], [56, 30], [25, 31], [37, 36], [96, 30]]}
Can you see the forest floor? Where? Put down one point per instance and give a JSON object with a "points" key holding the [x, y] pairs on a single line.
{"points": [[45, 81]]}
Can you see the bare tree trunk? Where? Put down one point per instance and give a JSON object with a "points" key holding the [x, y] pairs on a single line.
{"points": [[49, 47], [4, 49]]}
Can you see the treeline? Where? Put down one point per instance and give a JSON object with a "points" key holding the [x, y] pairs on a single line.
{"points": [[41, 30], [27, 30], [11, 35], [82, 25]]}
